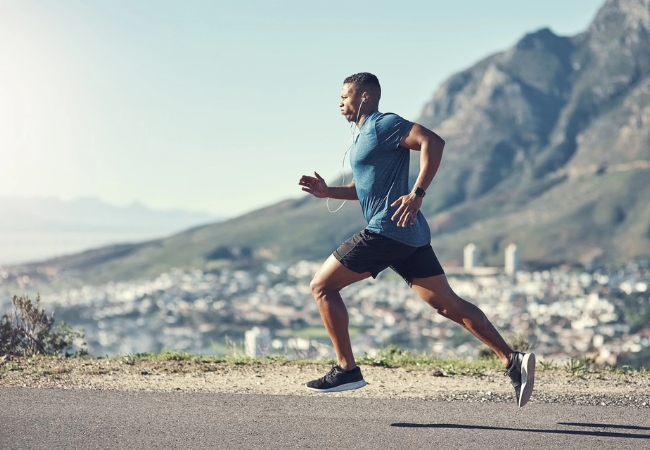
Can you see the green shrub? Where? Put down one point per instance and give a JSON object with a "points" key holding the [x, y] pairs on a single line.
{"points": [[28, 330], [391, 356]]}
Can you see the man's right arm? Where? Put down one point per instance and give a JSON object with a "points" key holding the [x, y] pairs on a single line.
{"points": [[348, 192], [317, 187]]}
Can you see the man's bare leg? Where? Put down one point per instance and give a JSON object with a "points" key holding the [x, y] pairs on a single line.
{"points": [[437, 293], [326, 285]]}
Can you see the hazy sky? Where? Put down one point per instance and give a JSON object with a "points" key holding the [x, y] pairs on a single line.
{"points": [[216, 105]]}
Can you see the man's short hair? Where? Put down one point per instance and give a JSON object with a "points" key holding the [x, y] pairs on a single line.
{"points": [[366, 82]]}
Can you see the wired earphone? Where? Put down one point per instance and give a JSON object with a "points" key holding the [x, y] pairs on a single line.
{"points": [[352, 142]]}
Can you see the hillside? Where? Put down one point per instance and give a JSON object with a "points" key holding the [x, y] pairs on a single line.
{"points": [[548, 146]]}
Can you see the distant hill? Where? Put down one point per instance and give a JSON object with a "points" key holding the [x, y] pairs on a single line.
{"points": [[548, 146], [37, 228]]}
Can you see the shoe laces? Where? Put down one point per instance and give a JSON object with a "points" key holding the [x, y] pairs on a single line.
{"points": [[333, 371]]}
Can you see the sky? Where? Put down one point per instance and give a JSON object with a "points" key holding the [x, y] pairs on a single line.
{"points": [[221, 106]]}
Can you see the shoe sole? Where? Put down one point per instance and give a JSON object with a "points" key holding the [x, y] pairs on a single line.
{"points": [[527, 378], [343, 387]]}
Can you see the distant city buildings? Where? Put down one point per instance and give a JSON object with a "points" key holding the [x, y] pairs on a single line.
{"points": [[564, 314], [257, 342], [471, 257], [512, 259], [471, 261]]}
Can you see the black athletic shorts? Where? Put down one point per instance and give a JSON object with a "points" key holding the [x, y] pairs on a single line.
{"points": [[371, 252]]}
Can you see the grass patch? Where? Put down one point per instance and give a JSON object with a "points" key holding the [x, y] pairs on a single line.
{"points": [[389, 357], [235, 359], [10, 367], [547, 365], [320, 333], [394, 357], [183, 362]]}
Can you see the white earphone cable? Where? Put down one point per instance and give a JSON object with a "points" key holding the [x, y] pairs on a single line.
{"points": [[352, 142]]}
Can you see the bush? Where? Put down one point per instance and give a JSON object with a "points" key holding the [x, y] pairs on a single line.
{"points": [[391, 356], [28, 330]]}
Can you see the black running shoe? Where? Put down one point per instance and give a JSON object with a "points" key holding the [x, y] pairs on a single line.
{"points": [[521, 371], [337, 380]]}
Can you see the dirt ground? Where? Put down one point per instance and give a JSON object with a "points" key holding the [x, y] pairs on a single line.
{"points": [[551, 386]]}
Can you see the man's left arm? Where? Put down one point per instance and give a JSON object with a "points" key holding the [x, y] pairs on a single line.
{"points": [[430, 146]]}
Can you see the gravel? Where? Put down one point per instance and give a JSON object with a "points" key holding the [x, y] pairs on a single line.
{"points": [[603, 388]]}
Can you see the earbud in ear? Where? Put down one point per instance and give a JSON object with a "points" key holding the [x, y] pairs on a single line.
{"points": [[363, 99]]}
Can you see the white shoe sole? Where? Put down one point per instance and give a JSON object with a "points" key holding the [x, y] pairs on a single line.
{"points": [[527, 378], [343, 387]]}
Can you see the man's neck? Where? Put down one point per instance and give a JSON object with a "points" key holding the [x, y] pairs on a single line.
{"points": [[363, 117]]}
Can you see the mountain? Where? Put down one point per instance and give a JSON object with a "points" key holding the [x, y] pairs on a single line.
{"points": [[548, 146], [37, 228], [52, 214]]}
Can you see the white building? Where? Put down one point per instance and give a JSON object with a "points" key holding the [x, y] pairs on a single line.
{"points": [[470, 257], [513, 259], [257, 341]]}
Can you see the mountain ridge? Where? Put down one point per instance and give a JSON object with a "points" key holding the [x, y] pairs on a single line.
{"points": [[34, 228], [44, 213]]}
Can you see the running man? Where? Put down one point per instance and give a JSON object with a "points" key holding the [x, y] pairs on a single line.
{"points": [[397, 235]]}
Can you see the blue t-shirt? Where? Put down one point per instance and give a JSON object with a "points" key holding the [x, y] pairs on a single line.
{"points": [[381, 171]]}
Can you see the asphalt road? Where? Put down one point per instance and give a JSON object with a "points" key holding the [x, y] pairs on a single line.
{"points": [[48, 418]]}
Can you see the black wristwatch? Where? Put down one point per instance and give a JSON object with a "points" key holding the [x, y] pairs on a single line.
{"points": [[420, 192]]}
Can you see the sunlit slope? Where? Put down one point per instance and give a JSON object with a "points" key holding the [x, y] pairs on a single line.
{"points": [[288, 231], [588, 219]]}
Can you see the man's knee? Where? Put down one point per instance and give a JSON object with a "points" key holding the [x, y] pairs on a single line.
{"points": [[319, 287], [447, 304], [460, 311]]}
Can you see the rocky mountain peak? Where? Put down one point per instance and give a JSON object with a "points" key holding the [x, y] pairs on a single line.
{"points": [[539, 39], [618, 17]]}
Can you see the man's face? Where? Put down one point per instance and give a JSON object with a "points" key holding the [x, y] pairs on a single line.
{"points": [[350, 102]]}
